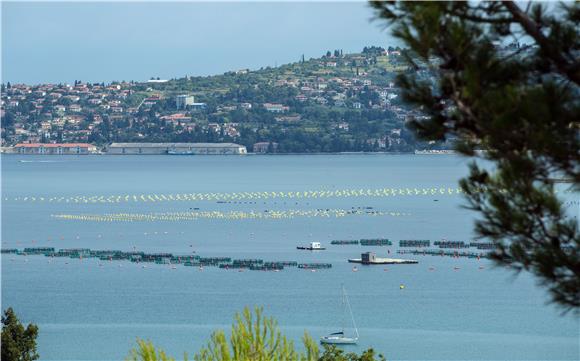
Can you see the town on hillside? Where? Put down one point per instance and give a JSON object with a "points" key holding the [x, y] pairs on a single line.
{"points": [[335, 103]]}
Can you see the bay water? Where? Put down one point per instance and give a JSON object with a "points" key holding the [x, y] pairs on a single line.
{"points": [[86, 309]]}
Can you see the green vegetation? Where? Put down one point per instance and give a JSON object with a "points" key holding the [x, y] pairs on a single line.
{"points": [[145, 351], [257, 338], [521, 104], [18, 343], [333, 353]]}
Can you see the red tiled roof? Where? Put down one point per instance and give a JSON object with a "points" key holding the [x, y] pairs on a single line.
{"points": [[50, 145]]}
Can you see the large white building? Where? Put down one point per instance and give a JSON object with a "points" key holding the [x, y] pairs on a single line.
{"points": [[176, 148], [183, 101]]}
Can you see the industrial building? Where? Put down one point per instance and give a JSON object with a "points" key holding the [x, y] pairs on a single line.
{"points": [[176, 148], [49, 148]]}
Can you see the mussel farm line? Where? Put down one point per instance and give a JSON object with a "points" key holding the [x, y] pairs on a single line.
{"points": [[244, 196], [438, 252], [166, 258], [231, 215]]}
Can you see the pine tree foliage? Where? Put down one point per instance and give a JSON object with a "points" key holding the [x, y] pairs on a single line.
{"points": [[520, 104], [255, 337], [333, 353], [146, 352], [18, 343]]}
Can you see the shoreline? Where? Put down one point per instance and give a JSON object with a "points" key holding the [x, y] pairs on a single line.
{"points": [[248, 154]]}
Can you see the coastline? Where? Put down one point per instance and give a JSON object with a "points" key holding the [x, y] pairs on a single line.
{"points": [[249, 154]]}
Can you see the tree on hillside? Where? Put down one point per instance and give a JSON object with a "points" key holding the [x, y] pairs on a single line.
{"points": [[18, 343], [521, 104]]}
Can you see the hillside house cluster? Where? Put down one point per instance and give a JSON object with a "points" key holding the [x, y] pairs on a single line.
{"points": [[99, 113]]}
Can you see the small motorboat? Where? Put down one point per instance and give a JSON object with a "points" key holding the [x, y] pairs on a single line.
{"points": [[314, 246]]}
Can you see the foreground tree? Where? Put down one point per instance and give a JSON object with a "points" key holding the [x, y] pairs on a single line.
{"points": [[146, 351], [333, 353], [254, 338], [18, 343], [521, 104]]}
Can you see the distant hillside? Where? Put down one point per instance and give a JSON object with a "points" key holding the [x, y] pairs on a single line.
{"points": [[335, 103]]}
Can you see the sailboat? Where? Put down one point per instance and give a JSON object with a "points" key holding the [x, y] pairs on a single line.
{"points": [[339, 338]]}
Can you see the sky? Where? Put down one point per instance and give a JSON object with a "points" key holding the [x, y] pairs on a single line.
{"points": [[57, 42]]}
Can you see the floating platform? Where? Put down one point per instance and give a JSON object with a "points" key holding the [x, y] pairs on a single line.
{"points": [[344, 242], [451, 244], [375, 242], [378, 260], [415, 243], [314, 265]]}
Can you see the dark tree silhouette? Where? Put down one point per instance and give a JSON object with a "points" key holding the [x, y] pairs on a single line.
{"points": [[18, 343], [520, 104]]}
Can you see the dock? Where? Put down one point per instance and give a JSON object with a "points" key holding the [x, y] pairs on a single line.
{"points": [[369, 258]]}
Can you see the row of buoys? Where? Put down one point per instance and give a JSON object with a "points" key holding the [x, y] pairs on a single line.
{"points": [[235, 196], [218, 215]]}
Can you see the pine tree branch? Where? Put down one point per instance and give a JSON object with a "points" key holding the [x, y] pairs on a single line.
{"points": [[533, 30]]}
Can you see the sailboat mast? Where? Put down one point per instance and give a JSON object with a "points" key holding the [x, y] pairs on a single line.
{"points": [[343, 309], [350, 310]]}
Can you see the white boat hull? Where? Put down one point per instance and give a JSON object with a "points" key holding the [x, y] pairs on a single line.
{"points": [[339, 340]]}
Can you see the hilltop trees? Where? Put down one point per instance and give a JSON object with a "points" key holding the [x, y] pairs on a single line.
{"points": [[521, 105], [18, 343]]}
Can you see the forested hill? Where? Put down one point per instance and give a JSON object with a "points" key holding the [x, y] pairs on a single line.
{"points": [[335, 103]]}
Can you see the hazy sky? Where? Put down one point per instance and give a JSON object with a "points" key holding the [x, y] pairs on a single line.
{"points": [[105, 41]]}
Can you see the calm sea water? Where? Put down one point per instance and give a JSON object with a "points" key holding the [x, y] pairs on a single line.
{"points": [[91, 310]]}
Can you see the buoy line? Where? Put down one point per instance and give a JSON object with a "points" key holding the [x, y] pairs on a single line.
{"points": [[231, 215], [241, 196]]}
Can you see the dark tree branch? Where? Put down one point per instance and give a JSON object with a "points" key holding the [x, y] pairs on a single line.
{"points": [[533, 30]]}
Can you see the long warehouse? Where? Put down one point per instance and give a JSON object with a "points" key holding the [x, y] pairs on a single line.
{"points": [[176, 148]]}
